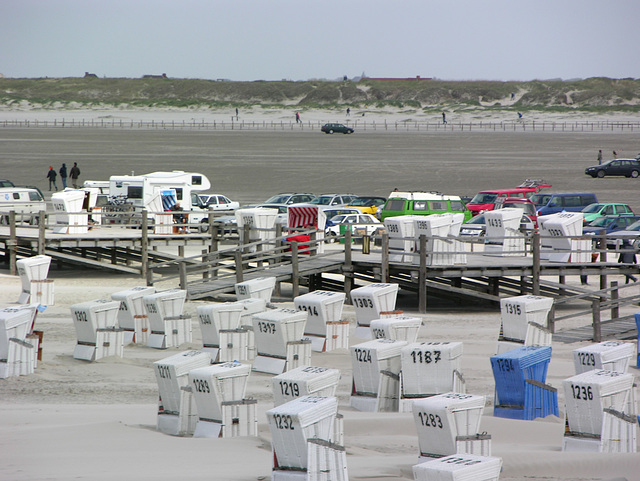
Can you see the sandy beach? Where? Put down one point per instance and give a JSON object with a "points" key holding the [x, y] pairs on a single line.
{"points": [[74, 419], [96, 421]]}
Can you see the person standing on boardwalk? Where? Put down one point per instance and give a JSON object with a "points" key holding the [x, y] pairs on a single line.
{"points": [[444, 118], [297, 117], [51, 175], [74, 174], [63, 175], [627, 256]]}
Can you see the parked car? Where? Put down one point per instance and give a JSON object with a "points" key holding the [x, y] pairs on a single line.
{"points": [[218, 202], [626, 167], [366, 223], [333, 200], [368, 204], [487, 199], [332, 212], [339, 128], [290, 198], [477, 226], [422, 203], [609, 223], [593, 211], [562, 201], [631, 233]]}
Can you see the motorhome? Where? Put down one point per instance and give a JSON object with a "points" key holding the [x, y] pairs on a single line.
{"points": [[159, 191], [24, 201]]}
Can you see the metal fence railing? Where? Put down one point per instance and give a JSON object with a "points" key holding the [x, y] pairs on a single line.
{"points": [[360, 125]]}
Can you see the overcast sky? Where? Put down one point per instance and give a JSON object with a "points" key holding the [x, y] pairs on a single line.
{"points": [[303, 39]]}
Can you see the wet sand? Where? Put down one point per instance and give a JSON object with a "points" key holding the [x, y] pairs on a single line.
{"points": [[250, 166]]}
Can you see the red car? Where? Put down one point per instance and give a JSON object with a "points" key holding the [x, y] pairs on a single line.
{"points": [[486, 200]]}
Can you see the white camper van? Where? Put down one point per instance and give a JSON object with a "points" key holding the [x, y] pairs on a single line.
{"points": [[159, 191], [24, 201]]}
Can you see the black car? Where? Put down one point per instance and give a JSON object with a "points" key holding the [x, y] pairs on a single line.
{"points": [[626, 167], [339, 128]]}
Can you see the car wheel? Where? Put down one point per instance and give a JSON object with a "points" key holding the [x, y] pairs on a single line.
{"points": [[330, 132], [635, 174], [204, 225], [332, 237], [600, 174]]}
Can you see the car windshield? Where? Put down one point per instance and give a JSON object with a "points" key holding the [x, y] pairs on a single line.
{"points": [[484, 198], [322, 200], [592, 208], [278, 199], [479, 219], [602, 222], [363, 202], [338, 219], [540, 199], [634, 226]]}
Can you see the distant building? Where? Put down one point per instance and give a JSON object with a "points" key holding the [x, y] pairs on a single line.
{"points": [[90, 75], [164, 75], [393, 79]]}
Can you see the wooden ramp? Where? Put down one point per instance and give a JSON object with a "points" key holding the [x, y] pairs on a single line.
{"points": [[283, 273]]}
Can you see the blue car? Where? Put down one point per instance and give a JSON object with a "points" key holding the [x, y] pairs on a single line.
{"points": [[609, 224]]}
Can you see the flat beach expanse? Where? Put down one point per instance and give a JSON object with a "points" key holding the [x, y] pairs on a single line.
{"points": [[97, 421]]}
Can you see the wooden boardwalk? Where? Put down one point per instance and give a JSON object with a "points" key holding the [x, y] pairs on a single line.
{"points": [[619, 329]]}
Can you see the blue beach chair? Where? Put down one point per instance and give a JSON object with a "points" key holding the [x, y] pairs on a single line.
{"points": [[521, 392]]}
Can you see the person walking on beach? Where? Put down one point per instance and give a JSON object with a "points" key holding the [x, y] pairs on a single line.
{"points": [[348, 112], [444, 118], [615, 154], [51, 175], [74, 174], [63, 175], [599, 156], [627, 256], [297, 118]]}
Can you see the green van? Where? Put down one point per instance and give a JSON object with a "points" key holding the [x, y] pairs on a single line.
{"points": [[423, 203]]}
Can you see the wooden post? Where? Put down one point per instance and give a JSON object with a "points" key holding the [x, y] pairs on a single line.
{"points": [[615, 294], [295, 270], [238, 259], [348, 266], [205, 259], [182, 266], [215, 233], [595, 311], [144, 247], [422, 276], [384, 266], [551, 318], [562, 281], [535, 271], [42, 221], [13, 244]]}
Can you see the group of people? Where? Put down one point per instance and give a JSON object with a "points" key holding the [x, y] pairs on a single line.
{"points": [[615, 156], [74, 173]]}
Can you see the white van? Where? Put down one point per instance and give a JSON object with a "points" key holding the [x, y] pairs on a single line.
{"points": [[24, 201]]}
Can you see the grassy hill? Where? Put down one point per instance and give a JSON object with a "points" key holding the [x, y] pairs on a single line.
{"points": [[594, 94]]}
